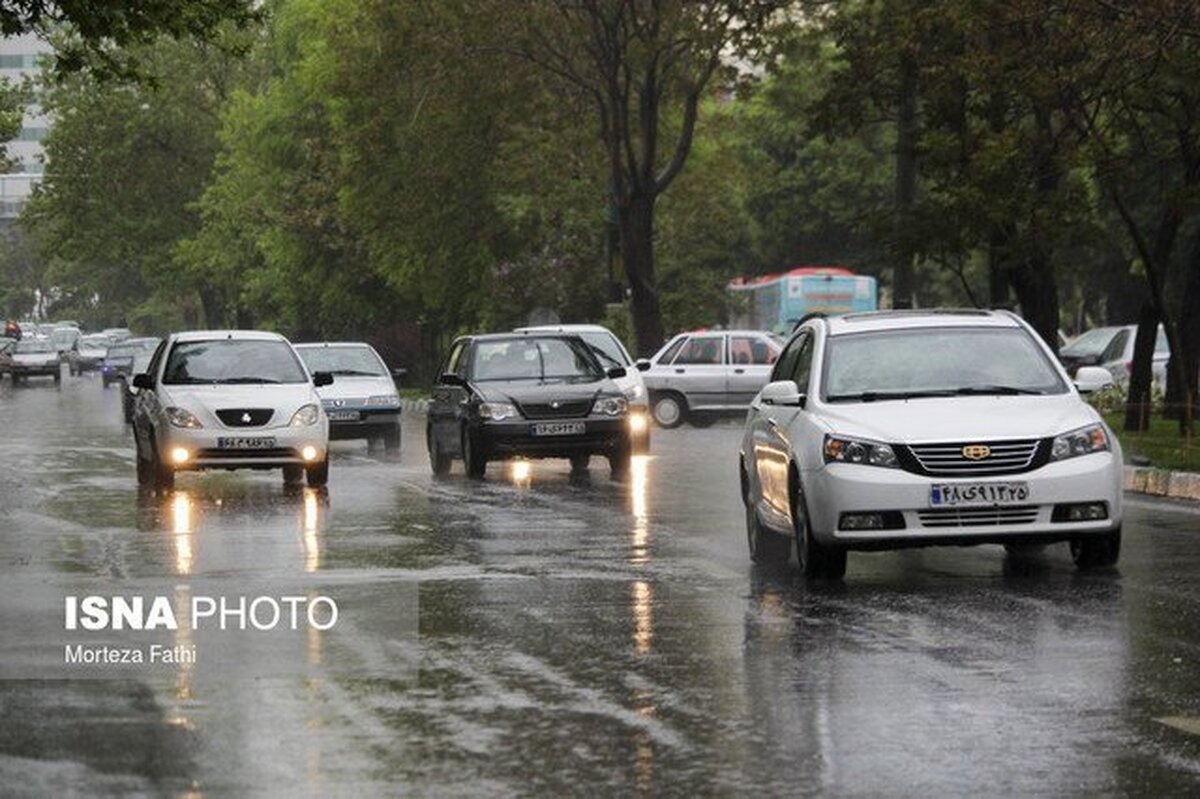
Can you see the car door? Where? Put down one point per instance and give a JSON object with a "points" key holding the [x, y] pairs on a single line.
{"points": [[698, 370], [446, 400], [751, 358], [772, 429], [146, 404]]}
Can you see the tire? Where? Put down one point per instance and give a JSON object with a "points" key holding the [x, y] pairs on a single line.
{"points": [[815, 559], [1096, 551], [317, 476], [391, 440], [579, 463], [58, 378], [292, 474], [669, 410], [474, 458], [766, 548], [621, 459], [438, 460], [162, 474], [145, 471]]}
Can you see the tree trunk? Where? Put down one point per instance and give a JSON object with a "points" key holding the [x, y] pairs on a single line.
{"points": [[1138, 404], [906, 179], [637, 251], [998, 267], [1184, 393], [1037, 293]]}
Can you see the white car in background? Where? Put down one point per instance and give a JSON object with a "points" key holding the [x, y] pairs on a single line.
{"points": [[229, 399], [612, 354], [363, 402], [897, 429]]}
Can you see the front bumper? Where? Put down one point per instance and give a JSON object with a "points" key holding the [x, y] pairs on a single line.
{"points": [[204, 450], [46, 370], [372, 421], [840, 488], [515, 438]]}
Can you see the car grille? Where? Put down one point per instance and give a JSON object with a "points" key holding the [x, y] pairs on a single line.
{"points": [[948, 460], [978, 517], [566, 409], [245, 454], [245, 417]]}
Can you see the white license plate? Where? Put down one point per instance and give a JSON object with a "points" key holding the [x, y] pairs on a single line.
{"points": [[343, 416], [559, 429], [257, 442], [965, 495]]}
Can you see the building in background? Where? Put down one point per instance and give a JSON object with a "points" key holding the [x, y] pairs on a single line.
{"points": [[20, 56]]}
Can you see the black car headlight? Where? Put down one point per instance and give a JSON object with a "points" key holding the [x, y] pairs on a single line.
{"points": [[1084, 441], [497, 411], [839, 449], [610, 406]]}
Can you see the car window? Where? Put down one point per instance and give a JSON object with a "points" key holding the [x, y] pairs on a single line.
{"points": [[241, 361], [1161, 347], [1092, 342], [701, 351], [35, 345], [672, 349], [803, 369], [156, 359], [454, 362], [605, 347], [752, 351], [785, 366], [1115, 351], [348, 361]]}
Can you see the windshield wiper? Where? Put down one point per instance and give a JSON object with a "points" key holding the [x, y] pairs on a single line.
{"points": [[355, 373], [996, 389], [873, 396], [244, 380]]}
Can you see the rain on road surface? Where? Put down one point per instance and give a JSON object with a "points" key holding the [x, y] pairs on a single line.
{"points": [[580, 634]]}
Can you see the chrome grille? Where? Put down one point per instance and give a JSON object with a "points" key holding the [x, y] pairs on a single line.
{"points": [[978, 517], [547, 410], [947, 459]]}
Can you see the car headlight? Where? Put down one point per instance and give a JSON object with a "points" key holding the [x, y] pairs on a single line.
{"points": [[635, 392], [856, 450], [611, 406], [497, 411], [384, 399], [1083, 441], [178, 417], [306, 415]]}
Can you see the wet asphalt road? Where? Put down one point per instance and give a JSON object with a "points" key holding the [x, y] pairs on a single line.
{"points": [[581, 635]]}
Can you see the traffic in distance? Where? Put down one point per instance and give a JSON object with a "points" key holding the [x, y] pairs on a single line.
{"points": [[862, 430]]}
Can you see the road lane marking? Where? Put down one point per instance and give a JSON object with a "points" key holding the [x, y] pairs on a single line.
{"points": [[1191, 726]]}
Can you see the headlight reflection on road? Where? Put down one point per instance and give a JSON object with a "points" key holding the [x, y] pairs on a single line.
{"points": [[181, 516], [312, 519], [638, 488], [520, 473], [643, 616]]}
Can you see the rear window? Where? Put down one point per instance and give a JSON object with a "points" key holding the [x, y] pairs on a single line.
{"points": [[342, 360]]}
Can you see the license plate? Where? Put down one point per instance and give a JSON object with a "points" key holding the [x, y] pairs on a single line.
{"points": [[258, 442], [559, 429], [977, 494], [343, 416]]}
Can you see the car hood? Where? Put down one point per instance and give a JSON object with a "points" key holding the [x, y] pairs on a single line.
{"points": [[284, 398], [524, 391], [959, 418], [356, 387]]}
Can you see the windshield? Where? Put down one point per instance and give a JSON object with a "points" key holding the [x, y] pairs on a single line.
{"points": [[606, 348], [350, 361], [123, 351], [233, 361], [95, 342], [899, 364], [64, 337], [35, 345], [1092, 342], [535, 359]]}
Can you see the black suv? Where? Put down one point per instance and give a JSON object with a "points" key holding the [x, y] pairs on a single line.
{"points": [[532, 395]]}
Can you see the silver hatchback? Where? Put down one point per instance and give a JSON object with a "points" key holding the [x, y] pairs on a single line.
{"points": [[700, 374]]}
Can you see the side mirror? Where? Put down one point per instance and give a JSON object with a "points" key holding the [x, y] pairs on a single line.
{"points": [[616, 372], [322, 379], [451, 379], [783, 392], [643, 365], [143, 381], [1092, 378]]}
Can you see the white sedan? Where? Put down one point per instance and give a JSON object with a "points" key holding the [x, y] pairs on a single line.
{"points": [[898, 429], [235, 399]]}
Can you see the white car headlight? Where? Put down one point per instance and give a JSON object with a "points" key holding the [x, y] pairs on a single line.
{"points": [[178, 417], [1083, 441], [635, 392], [840, 449], [611, 406], [497, 411], [384, 399], [306, 415]]}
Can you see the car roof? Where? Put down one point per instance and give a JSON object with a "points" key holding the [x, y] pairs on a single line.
{"points": [[871, 321], [514, 336], [241, 335], [573, 328], [312, 345]]}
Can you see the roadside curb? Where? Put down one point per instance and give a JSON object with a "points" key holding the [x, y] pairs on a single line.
{"points": [[414, 405], [1162, 483]]}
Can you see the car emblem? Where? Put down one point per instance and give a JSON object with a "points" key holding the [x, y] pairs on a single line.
{"points": [[976, 452], [338, 403], [246, 418]]}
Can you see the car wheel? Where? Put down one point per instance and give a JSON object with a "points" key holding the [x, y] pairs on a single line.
{"points": [[579, 463], [1096, 551], [620, 460], [473, 456], [766, 548], [669, 410], [318, 475], [58, 378], [391, 440], [438, 460], [292, 474], [145, 470], [163, 474], [814, 559]]}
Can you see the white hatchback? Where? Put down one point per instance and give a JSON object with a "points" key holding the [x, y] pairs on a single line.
{"points": [[898, 429], [236, 399]]}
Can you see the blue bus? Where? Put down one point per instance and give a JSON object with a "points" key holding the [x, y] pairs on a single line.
{"points": [[777, 302]]}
